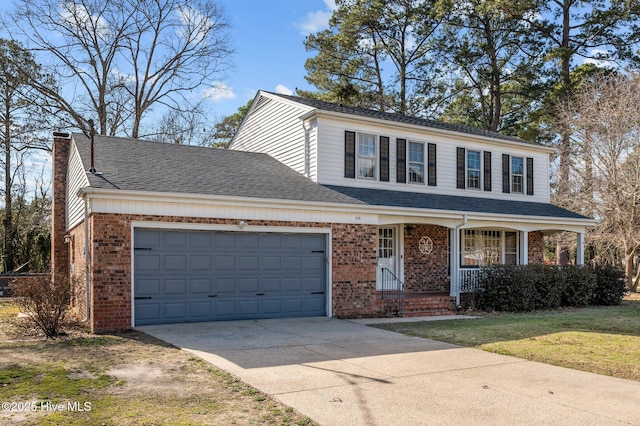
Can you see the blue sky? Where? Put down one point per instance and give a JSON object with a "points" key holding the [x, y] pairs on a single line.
{"points": [[268, 38]]}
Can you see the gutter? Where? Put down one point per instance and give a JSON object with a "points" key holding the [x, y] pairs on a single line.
{"points": [[356, 208]]}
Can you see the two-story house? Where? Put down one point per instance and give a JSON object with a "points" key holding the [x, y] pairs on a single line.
{"points": [[316, 209]]}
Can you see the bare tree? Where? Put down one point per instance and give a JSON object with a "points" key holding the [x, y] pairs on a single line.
{"points": [[117, 60], [605, 123]]}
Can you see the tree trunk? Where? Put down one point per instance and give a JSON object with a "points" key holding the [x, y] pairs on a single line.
{"points": [[8, 252], [562, 251], [632, 284]]}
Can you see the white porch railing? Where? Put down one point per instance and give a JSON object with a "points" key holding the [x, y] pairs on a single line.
{"points": [[469, 280]]}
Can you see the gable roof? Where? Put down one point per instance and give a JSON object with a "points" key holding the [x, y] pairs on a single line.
{"points": [[399, 118], [156, 167]]}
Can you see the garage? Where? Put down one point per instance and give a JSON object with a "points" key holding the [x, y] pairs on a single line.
{"points": [[191, 276]]}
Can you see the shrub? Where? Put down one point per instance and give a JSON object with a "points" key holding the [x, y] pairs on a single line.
{"points": [[45, 299], [579, 283], [611, 285], [518, 288], [506, 288]]}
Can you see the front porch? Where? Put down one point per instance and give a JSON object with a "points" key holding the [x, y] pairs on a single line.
{"points": [[423, 269]]}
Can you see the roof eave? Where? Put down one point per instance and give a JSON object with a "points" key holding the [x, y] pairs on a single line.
{"points": [[333, 114], [409, 212]]}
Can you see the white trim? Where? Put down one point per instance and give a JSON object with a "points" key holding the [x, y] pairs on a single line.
{"points": [[580, 248], [537, 222], [524, 247], [360, 119], [237, 228]]}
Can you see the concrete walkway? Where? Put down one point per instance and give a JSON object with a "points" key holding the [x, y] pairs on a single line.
{"points": [[343, 373]]}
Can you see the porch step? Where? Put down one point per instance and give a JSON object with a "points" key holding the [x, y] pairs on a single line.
{"points": [[417, 305], [429, 305]]}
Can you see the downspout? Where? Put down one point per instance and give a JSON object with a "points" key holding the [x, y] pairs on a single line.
{"points": [[456, 257], [87, 260]]}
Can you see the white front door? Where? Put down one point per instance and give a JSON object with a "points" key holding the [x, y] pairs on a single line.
{"points": [[387, 252]]}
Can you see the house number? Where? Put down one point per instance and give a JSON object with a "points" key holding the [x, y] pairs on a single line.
{"points": [[425, 245]]}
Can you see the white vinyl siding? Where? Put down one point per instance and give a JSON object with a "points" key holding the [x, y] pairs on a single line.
{"points": [[275, 128], [76, 179], [331, 160]]}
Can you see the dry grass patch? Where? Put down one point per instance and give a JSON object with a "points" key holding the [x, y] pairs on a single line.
{"points": [[128, 379]]}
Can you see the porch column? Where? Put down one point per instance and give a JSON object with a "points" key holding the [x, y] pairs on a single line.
{"points": [[524, 248], [455, 267], [580, 248]]}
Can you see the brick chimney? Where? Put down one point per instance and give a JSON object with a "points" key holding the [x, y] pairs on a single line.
{"points": [[60, 159]]}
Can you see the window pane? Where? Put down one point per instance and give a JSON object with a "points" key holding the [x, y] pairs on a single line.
{"points": [[517, 166], [416, 162], [416, 172], [473, 160], [473, 179], [367, 168], [510, 259], [517, 174], [416, 152], [366, 156], [473, 169]]}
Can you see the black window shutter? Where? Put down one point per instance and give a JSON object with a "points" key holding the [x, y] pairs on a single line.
{"points": [[401, 160], [431, 173], [460, 167], [529, 176], [506, 173], [487, 170], [349, 154], [384, 158]]}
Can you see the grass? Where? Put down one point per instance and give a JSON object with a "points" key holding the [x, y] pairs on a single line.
{"points": [[127, 379], [603, 340]]}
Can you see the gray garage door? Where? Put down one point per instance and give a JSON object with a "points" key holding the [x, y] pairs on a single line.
{"points": [[189, 276]]}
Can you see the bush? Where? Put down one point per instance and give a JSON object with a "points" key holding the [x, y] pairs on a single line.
{"points": [[45, 299], [507, 288], [579, 283], [611, 286], [518, 288]]}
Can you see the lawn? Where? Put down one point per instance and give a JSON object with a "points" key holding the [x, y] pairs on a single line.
{"points": [[603, 340], [120, 379]]}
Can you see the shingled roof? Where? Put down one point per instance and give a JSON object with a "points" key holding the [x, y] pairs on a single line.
{"points": [[138, 165], [377, 197], [400, 118], [156, 167]]}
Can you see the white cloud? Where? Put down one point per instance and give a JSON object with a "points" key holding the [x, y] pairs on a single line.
{"points": [[283, 90], [599, 59], [318, 20], [219, 90]]}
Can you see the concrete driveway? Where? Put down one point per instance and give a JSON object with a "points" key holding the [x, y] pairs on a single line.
{"points": [[343, 373]]}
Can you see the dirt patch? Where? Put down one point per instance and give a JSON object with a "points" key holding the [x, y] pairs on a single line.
{"points": [[128, 378]]}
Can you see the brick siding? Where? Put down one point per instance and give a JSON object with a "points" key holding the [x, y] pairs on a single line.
{"points": [[353, 265], [426, 272], [59, 249], [536, 247]]}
